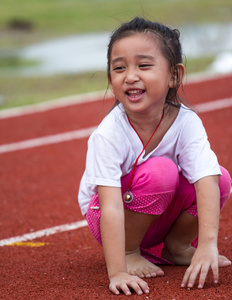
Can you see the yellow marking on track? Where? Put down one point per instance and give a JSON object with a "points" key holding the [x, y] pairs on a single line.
{"points": [[29, 244]]}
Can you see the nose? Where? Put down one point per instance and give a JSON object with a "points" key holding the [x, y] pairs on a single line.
{"points": [[131, 76]]}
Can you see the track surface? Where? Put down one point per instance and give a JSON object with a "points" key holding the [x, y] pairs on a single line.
{"points": [[39, 188]]}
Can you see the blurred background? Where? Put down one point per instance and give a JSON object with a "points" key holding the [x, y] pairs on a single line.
{"points": [[57, 48]]}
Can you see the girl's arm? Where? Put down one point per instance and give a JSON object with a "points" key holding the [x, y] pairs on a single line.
{"points": [[206, 254], [113, 240]]}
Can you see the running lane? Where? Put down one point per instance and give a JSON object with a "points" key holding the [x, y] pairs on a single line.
{"points": [[39, 189]]}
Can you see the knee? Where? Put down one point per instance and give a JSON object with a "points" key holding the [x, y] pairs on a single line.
{"points": [[224, 186], [160, 175]]}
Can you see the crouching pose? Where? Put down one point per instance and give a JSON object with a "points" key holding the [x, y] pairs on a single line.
{"points": [[152, 190]]}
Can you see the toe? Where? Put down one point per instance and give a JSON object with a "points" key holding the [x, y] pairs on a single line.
{"points": [[139, 273], [147, 272], [159, 272], [223, 261]]}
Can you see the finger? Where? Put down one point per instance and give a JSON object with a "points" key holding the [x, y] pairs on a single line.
{"points": [[190, 276], [113, 289], [125, 289], [186, 276], [193, 275], [136, 287], [203, 274], [142, 285], [215, 271]]}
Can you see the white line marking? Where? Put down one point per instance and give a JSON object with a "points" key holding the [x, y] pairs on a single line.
{"points": [[200, 77], [88, 97], [47, 140], [83, 133], [214, 105], [77, 134], [46, 232], [43, 232], [53, 104]]}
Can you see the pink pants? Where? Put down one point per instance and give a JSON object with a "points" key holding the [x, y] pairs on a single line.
{"points": [[159, 189]]}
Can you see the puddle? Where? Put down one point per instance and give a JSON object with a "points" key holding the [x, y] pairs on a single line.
{"points": [[86, 53], [73, 54]]}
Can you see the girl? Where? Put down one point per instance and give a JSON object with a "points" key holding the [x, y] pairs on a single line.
{"points": [[152, 185]]}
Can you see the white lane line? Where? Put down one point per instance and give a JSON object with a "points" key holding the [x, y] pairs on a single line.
{"points": [[83, 133], [88, 97], [214, 105], [204, 107], [47, 140], [53, 104], [46, 232], [43, 232]]}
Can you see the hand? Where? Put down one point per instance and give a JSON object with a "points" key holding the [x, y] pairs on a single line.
{"points": [[123, 281], [204, 258]]}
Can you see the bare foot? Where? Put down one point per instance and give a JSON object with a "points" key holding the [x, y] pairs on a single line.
{"points": [[183, 257], [223, 261], [140, 266]]}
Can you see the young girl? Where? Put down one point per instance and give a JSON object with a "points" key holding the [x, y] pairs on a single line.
{"points": [[152, 185]]}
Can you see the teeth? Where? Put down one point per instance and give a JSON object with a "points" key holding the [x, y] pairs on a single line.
{"points": [[134, 92]]}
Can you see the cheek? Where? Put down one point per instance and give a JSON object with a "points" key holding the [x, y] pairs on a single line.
{"points": [[115, 83], [114, 86]]}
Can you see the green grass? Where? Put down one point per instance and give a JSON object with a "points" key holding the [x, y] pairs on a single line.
{"points": [[46, 19], [50, 18], [195, 65], [13, 63], [18, 91]]}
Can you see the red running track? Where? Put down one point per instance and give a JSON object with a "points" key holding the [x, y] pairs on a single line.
{"points": [[39, 189]]}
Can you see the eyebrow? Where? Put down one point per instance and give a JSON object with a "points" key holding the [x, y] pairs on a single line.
{"points": [[143, 56], [140, 56], [115, 60]]}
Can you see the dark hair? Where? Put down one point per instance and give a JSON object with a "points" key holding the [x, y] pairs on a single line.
{"points": [[169, 44]]}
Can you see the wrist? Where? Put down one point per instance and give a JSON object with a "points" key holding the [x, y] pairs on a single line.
{"points": [[208, 234], [112, 274], [209, 240]]}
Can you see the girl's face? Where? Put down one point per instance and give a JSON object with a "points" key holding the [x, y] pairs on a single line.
{"points": [[140, 75]]}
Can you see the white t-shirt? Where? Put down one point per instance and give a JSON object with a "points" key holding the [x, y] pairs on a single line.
{"points": [[114, 147]]}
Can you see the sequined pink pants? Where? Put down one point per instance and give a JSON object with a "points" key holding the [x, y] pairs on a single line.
{"points": [[159, 189]]}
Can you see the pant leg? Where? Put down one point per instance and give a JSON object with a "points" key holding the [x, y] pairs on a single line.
{"points": [[185, 199], [154, 185], [158, 189], [188, 190]]}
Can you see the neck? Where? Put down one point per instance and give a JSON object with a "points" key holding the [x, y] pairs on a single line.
{"points": [[145, 122]]}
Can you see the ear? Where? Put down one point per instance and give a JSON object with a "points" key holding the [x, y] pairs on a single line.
{"points": [[177, 76]]}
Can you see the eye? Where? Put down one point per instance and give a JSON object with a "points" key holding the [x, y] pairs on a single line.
{"points": [[144, 66], [119, 68]]}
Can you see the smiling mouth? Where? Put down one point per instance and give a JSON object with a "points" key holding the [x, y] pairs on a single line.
{"points": [[135, 93]]}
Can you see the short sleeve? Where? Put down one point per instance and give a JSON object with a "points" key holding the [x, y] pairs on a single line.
{"points": [[104, 160], [196, 158]]}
